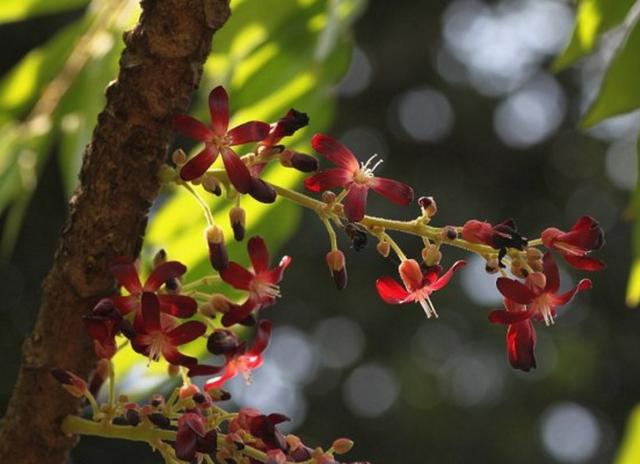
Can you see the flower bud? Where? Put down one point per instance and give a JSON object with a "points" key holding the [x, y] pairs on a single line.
{"points": [[262, 191], [222, 342], [211, 184], [328, 196], [133, 417], [410, 273], [275, 456], [534, 254], [218, 256], [431, 255], [384, 248], [428, 206], [336, 262], [157, 400], [187, 391], [237, 217], [159, 420], [342, 445], [492, 266], [300, 161], [70, 382], [159, 258], [219, 303], [173, 370], [179, 157], [518, 269], [449, 233]]}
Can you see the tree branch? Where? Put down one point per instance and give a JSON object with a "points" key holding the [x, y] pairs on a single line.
{"points": [[159, 69]]}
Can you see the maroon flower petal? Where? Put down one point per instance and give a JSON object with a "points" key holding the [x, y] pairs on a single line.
{"points": [[126, 274], [186, 443], [275, 275], [258, 254], [500, 316], [239, 313], [173, 356], [334, 151], [219, 109], [192, 128], [262, 338], [164, 272], [550, 269], [229, 372], [203, 369], [178, 305], [186, 332], [237, 171], [391, 291], [126, 304], [584, 284], [446, 277], [584, 263], [397, 192], [328, 179], [515, 290], [150, 312], [237, 276], [356, 202], [194, 422], [521, 344], [199, 164], [252, 131]]}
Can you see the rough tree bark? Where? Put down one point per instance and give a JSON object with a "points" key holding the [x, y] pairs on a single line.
{"points": [[159, 69]]}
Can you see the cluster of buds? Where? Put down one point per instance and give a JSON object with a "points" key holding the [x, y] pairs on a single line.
{"points": [[158, 317]]}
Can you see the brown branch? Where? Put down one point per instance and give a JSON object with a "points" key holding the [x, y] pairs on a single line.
{"points": [[159, 69]]}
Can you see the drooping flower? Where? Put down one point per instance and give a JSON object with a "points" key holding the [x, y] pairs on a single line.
{"points": [[103, 324], [70, 382], [585, 236], [261, 426], [285, 127], [500, 236], [219, 139], [521, 335], [192, 438], [354, 177], [158, 335], [261, 282], [417, 286], [126, 274], [242, 360], [539, 293]]}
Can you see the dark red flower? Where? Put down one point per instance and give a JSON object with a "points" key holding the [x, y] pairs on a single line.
{"points": [[261, 426], [356, 178], [585, 236], [285, 127], [158, 334], [219, 139], [103, 324], [126, 274], [192, 437], [536, 299], [500, 236], [243, 360], [70, 382], [261, 282], [417, 286]]}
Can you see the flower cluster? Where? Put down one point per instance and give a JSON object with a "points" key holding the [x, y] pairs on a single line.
{"points": [[159, 317]]}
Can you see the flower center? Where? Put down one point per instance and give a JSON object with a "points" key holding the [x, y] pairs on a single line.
{"points": [[220, 141], [366, 171], [543, 307], [157, 342], [422, 296], [264, 290]]}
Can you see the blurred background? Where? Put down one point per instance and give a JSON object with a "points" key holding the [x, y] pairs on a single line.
{"points": [[458, 98]]}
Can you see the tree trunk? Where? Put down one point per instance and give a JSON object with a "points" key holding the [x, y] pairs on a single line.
{"points": [[159, 69]]}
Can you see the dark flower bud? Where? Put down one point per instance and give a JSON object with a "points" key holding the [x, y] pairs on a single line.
{"points": [[211, 184], [159, 258], [218, 256], [261, 191], [159, 420], [237, 217], [223, 342], [133, 417], [70, 382], [120, 421], [428, 205], [337, 267], [450, 233], [300, 161]]}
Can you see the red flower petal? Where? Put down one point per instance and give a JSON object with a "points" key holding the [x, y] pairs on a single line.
{"points": [[356, 202], [335, 152], [275, 275], [521, 344], [127, 304], [239, 313], [192, 128], [550, 269], [173, 356], [394, 191], [391, 291], [515, 290], [203, 369], [328, 179], [186, 444], [126, 274], [500, 316], [199, 164], [446, 277], [194, 422], [585, 263], [237, 276], [237, 171], [150, 312], [186, 332], [258, 254], [164, 272], [229, 372], [584, 284], [252, 131], [262, 339], [219, 109], [178, 305]]}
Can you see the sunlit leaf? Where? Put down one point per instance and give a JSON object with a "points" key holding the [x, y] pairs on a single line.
{"points": [[594, 17], [619, 92], [630, 450], [633, 286], [17, 10]]}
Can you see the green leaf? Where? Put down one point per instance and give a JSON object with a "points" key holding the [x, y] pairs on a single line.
{"points": [[594, 17], [18, 10], [633, 285], [629, 452], [619, 92]]}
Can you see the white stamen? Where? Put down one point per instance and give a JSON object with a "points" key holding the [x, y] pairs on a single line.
{"points": [[428, 307], [368, 171]]}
